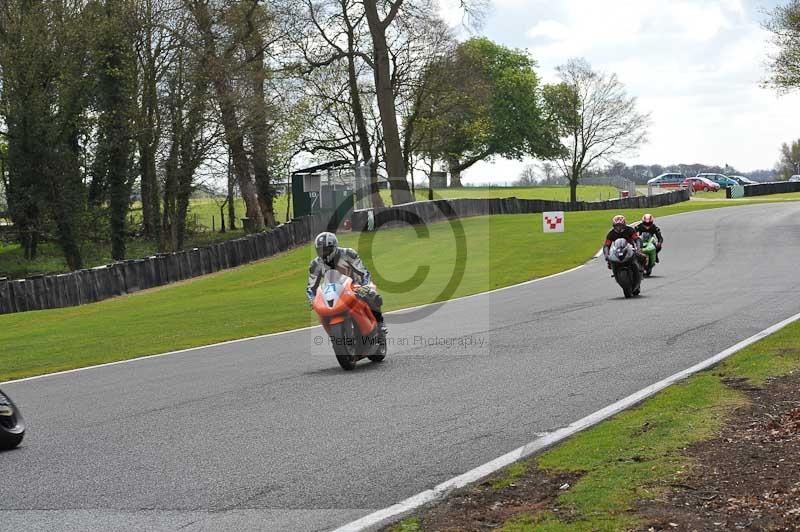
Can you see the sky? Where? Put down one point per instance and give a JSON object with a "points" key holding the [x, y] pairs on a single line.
{"points": [[697, 66]]}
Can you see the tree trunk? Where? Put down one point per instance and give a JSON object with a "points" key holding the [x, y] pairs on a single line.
{"points": [[148, 137], [260, 128], [169, 233], [573, 189], [218, 76], [231, 197], [358, 116], [453, 165], [395, 165]]}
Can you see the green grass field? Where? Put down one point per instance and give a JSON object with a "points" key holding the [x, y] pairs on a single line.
{"points": [[269, 296]]}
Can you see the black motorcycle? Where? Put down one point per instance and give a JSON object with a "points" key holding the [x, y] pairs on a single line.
{"points": [[624, 262], [12, 426]]}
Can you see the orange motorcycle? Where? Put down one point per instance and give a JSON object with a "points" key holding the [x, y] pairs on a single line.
{"points": [[351, 326]]}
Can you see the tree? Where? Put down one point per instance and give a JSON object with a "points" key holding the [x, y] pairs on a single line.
{"points": [[218, 46], [339, 82], [785, 28], [44, 60], [395, 162], [789, 162], [489, 103], [115, 72], [527, 177], [154, 41], [598, 120]]}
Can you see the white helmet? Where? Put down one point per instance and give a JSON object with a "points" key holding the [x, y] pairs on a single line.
{"points": [[327, 245]]}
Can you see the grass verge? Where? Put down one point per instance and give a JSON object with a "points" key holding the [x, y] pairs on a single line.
{"points": [[619, 464], [269, 297], [639, 453]]}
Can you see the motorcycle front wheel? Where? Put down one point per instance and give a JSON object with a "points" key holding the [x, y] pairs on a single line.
{"points": [[344, 346], [12, 426], [625, 282]]}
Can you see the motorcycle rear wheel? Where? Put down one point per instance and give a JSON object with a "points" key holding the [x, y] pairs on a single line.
{"points": [[380, 354]]}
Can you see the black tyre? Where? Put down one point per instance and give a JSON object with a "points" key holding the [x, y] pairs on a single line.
{"points": [[380, 354], [12, 426], [624, 281], [344, 346], [705, 189], [344, 356]]}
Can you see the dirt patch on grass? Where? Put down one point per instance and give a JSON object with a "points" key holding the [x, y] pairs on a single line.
{"points": [[748, 478], [484, 507]]}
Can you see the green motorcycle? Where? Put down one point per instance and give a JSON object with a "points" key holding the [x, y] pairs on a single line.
{"points": [[649, 242]]}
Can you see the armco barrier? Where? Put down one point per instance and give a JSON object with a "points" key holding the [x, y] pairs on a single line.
{"points": [[129, 276], [762, 189], [440, 210], [125, 277]]}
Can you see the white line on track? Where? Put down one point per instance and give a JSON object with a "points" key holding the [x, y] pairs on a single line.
{"points": [[395, 512]]}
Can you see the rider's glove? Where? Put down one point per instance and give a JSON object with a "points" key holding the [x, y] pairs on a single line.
{"points": [[363, 292]]}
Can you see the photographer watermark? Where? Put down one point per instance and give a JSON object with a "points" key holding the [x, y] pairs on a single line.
{"points": [[465, 342]]}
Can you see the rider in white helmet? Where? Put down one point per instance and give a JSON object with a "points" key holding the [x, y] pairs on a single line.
{"points": [[345, 260], [648, 225]]}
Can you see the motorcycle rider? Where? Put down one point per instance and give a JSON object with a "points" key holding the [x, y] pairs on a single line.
{"points": [[648, 225], [345, 260], [621, 229]]}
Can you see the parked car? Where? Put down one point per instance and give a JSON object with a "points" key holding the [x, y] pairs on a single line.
{"points": [[722, 180], [700, 183], [743, 180], [670, 180], [795, 178]]}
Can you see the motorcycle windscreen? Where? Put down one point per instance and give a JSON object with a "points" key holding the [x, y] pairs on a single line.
{"points": [[332, 286], [620, 251]]}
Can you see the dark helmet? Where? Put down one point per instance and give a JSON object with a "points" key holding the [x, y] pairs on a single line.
{"points": [[327, 245]]}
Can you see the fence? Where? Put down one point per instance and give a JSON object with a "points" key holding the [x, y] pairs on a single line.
{"points": [[439, 210], [88, 286], [782, 187], [621, 183]]}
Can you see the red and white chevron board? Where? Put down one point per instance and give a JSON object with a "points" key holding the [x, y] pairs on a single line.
{"points": [[553, 222]]}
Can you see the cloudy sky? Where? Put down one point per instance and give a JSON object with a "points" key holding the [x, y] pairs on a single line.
{"points": [[695, 65]]}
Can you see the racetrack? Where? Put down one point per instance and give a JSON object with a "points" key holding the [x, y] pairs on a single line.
{"points": [[269, 434]]}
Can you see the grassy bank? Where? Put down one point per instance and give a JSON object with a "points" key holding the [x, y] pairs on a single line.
{"points": [[269, 296], [637, 455]]}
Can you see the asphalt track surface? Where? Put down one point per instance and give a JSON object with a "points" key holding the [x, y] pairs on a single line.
{"points": [[270, 434]]}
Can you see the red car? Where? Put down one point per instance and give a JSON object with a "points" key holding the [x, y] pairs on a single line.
{"points": [[700, 183]]}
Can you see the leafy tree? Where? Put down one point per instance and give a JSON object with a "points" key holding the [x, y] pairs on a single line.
{"points": [[43, 56], [527, 177], [789, 162], [115, 71], [488, 103], [784, 25], [598, 119]]}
